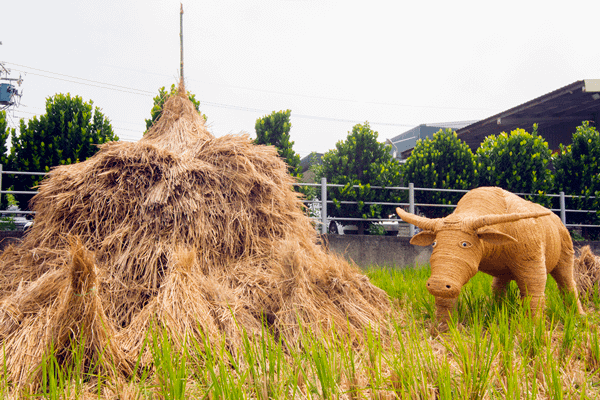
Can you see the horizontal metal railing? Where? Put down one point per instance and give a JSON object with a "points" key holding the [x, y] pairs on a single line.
{"points": [[324, 201]]}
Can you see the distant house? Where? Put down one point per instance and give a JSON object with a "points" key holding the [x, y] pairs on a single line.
{"points": [[313, 158], [403, 144], [557, 114]]}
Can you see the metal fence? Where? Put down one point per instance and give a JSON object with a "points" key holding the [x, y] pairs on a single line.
{"points": [[321, 203], [29, 192]]}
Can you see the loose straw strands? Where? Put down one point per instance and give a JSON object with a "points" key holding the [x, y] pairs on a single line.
{"points": [[201, 235], [587, 271]]}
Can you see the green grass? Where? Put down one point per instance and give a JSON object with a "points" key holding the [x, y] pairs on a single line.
{"points": [[493, 350]]}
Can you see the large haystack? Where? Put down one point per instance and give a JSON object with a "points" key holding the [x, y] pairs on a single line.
{"points": [[197, 234]]}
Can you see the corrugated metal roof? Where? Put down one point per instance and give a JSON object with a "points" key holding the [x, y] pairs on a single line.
{"points": [[557, 114]]}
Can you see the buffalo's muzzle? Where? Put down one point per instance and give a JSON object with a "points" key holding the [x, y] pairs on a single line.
{"points": [[441, 287]]}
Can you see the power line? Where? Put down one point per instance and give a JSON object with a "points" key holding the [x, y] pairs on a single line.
{"points": [[140, 92], [74, 77]]}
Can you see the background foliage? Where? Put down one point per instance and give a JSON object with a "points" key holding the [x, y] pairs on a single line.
{"points": [[274, 130], [577, 172], [4, 135], [67, 133], [361, 160], [443, 162], [518, 162]]}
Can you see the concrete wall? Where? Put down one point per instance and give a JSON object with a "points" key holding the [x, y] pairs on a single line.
{"points": [[394, 251], [365, 251]]}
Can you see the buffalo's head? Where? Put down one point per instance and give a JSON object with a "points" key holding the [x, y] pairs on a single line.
{"points": [[458, 243]]}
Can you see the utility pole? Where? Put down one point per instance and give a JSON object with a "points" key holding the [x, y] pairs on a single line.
{"points": [[181, 39]]}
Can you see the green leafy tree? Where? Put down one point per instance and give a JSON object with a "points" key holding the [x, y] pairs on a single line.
{"points": [[159, 102], [69, 132], [361, 161], [442, 162], [274, 130], [518, 162], [5, 132], [4, 135], [577, 172]]}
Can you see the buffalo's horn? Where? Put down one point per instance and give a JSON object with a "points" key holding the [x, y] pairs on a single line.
{"points": [[493, 219], [426, 224]]}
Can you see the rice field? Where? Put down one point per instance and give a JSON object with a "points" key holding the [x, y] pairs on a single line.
{"points": [[493, 350]]}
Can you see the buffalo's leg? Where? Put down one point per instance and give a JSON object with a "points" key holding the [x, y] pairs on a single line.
{"points": [[563, 275], [532, 282], [500, 283]]}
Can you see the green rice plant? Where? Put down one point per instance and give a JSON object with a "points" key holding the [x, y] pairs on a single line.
{"points": [[444, 382], [553, 376], [171, 366], [475, 354], [265, 364], [349, 366], [57, 381], [4, 381], [592, 358], [375, 364], [569, 334], [220, 380], [414, 364], [325, 366], [405, 286]]}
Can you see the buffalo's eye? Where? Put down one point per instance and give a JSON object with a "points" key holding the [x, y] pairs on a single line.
{"points": [[465, 244], [434, 243]]}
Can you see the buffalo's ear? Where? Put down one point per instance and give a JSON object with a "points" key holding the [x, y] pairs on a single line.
{"points": [[424, 238], [495, 237]]}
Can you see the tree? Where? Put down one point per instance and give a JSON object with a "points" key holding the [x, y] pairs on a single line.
{"points": [[274, 130], [517, 162], [5, 132], [442, 162], [69, 132], [577, 172], [362, 161], [159, 102]]}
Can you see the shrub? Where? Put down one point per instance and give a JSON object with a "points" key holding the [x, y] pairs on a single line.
{"points": [[444, 162], [361, 161], [518, 162], [577, 173]]}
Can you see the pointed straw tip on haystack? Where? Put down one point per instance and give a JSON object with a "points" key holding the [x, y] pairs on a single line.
{"points": [[181, 90]]}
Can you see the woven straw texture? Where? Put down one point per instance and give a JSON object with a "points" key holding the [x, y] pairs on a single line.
{"points": [[501, 234]]}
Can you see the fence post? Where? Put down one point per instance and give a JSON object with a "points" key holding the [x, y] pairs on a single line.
{"points": [[411, 206], [323, 205], [563, 213]]}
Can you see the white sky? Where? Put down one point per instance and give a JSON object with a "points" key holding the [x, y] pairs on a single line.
{"points": [[397, 64]]}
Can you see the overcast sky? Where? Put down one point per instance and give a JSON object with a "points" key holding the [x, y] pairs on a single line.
{"points": [[396, 64]]}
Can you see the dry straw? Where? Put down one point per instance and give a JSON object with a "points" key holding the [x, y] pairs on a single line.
{"points": [[202, 236], [587, 271]]}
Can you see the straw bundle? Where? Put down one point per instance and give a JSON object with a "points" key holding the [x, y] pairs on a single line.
{"points": [[587, 271], [203, 236]]}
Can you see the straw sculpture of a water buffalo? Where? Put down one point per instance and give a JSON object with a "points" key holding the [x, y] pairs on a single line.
{"points": [[498, 233]]}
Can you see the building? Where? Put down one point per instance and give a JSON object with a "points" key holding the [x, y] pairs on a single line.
{"points": [[557, 114], [403, 144]]}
